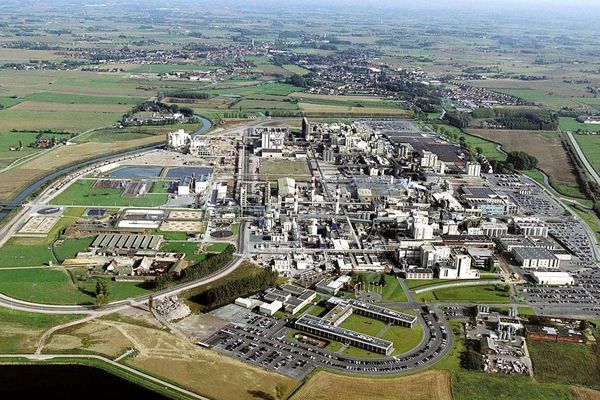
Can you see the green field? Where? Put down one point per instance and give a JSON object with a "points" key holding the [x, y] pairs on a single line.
{"points": [[216, 247], [590, 145], [54, 286], [71, 98], [392, 290], [19, 252], [82, 193], [11, 139], [404, 339], [364, 325], [295, 69], [187, 248], [470, 385], [579, 365], [472, 294], [571, 124], [70, 247]]}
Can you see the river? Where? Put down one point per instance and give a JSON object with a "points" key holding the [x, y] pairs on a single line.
{"points": [[32, 188]]}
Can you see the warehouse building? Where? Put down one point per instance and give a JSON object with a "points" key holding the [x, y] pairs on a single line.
{"points": [[558, 278], [535, 258]]}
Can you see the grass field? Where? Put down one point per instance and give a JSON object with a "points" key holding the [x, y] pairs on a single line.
{"points": [[571, 124], [472, 294], [578, 365], [82, 193], [392, 289], [20, 252], [326, 385], [295, 69], [188, 248], [11, 139], [20, 329], [590, 145], [70, 247], [470, 385], [545, 146], [362, 324], [404, 339], [273, 169], [54, 286]]}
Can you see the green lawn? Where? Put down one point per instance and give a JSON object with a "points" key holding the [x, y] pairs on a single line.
{"points": [[18, 252], [360, 353], [404, 339], [70, 247], [364, 325], [82, 193], [188, 248], [54, 286], [392, 290], [417, 283], [216, 247], [473, 294]]}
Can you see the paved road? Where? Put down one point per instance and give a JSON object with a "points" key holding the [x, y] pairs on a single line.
{"points": [[134, 371], [583, 158], [8, 302]]}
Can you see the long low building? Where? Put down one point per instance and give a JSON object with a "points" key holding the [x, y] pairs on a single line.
{"points": [[552, 278], [376, 312], [535, 258], [320, 327]]}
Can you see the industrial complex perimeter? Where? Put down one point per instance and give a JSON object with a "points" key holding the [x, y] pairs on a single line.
{"points": [[351, 217]]}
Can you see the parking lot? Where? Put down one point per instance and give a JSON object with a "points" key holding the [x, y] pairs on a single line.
{"points": [[263, 341]]}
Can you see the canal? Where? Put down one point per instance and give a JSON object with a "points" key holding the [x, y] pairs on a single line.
{"points": [[67, 382]]}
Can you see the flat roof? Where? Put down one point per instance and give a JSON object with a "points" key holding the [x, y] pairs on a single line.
{"points": [[324, 326]]}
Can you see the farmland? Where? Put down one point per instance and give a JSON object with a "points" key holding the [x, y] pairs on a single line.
{"points": [[545, 146], [590, 145], [579, 363], [82, 192], [329, 386]]}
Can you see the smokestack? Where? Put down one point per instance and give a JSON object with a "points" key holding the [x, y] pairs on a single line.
{"points": [[338, 193], [296, 199], [313, 186]]}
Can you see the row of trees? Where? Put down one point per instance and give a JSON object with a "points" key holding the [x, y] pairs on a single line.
{"points": [[186, 95], [228, 291], [508, 118]]}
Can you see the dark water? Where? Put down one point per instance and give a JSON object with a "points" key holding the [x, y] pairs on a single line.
{"points": [[67, 382]]}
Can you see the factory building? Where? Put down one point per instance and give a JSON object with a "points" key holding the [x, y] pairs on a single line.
{"points": [[535, 258], [320, 327]]}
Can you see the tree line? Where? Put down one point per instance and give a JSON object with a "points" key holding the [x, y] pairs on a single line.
{"points": [[226, 292], [211, 264]]}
